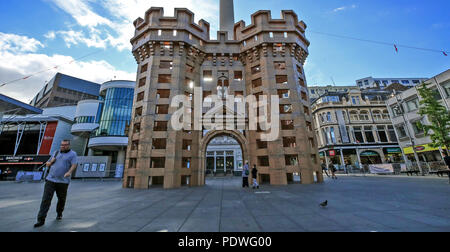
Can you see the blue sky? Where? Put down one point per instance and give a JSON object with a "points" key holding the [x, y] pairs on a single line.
{"points": [[39, 34]]}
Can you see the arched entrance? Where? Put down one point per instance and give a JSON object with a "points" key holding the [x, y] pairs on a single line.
{"points": [[370, 157], [236, 135]]}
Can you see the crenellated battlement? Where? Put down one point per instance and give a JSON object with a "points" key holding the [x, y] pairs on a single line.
{"points": [[262, 21], [183, 19]]}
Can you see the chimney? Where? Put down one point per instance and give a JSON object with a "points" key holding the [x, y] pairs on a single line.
{"points": [[227, 17]]}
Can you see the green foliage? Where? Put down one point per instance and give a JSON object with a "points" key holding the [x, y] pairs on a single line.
{"points": [[438, 116]]}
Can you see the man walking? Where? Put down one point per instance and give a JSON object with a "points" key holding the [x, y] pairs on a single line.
{"points": [[333, 170], [60, 168], [255, 177], [245, 174]]}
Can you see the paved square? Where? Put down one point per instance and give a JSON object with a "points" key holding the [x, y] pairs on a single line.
{"points": [[355, 204]]}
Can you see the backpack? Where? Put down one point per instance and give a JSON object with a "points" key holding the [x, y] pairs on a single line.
{"points": [[247, 172]]}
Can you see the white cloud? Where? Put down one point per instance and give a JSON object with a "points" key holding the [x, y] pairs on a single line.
{"points": [[16, 64], [50, 35], [117, 29], [343, 8], [18, 44]]}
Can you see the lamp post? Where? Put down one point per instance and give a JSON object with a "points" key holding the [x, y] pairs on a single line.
{"points": [[413, 143]]}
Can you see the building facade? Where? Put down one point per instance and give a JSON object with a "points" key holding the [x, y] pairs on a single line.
{"points": [[104, 124], [175, 55], [355, 128], [404, 111], [382, 83], [27, 141], [317, 91], [64, 90]]}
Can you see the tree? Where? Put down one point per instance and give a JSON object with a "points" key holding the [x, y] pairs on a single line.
{"points": [[438, 116]]}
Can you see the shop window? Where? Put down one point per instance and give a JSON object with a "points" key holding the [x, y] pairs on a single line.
{"points": [[159, 144]]}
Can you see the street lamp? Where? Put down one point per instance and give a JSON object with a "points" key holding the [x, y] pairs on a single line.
{"points": [[400, 110]]}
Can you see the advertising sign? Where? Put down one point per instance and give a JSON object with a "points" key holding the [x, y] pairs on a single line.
{"points": [[381, 169], [48, 138]]}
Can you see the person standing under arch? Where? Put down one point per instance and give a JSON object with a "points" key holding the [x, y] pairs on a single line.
{"points": [[245, 174]]}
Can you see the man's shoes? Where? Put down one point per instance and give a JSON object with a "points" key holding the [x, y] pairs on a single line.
{"points": [[39, 224], [59, 217]]}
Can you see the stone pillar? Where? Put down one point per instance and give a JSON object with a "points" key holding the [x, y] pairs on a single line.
{"points": [[120, 164]]}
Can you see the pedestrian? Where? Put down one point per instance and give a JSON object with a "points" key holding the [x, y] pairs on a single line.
{"points": [[245, 174], [333, 170], [61, 166], [255, 177], [447, 162], [7, 173], [324, 169]]}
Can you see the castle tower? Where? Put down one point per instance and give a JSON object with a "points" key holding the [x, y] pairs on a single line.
{"points": [[176, 55], [227, 17]]}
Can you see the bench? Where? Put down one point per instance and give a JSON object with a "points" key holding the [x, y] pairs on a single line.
{"points": [[411, 172], [440, 173]]}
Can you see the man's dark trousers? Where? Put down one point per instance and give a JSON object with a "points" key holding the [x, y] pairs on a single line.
{"points": [[49, 191]]}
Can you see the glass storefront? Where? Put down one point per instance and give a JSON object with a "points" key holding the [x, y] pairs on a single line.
{"points": [[117, 109]]}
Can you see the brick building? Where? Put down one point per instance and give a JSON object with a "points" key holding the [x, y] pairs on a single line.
{"points": [[175, 56]]}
